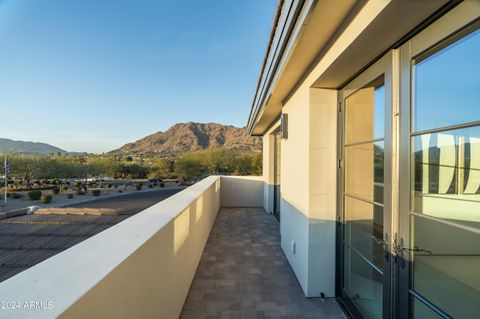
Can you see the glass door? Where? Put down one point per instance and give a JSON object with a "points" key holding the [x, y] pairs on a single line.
{"points": [[365, 193], [439, 244], [276, 174]]}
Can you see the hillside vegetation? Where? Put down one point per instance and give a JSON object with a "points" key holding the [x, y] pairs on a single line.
{"points": [[187, 165]]}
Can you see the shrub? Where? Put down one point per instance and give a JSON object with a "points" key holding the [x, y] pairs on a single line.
{"points": [[55, 181], [109, 185], [150, 186], [162, 184], [139, 186], [70, 196], [56, 190], [80, 192], [17, 195], [9, 195], [65, 188], [46, 199], [120, 191], [95, 192], [35, 195], [78, 184]]}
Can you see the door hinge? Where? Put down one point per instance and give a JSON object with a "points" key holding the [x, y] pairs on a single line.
{"points": [[339, 107], [340, 163]]}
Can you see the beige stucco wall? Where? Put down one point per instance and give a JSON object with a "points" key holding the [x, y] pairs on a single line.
{"points": [[139, 268], [242, 191], [308, 188], [322, 191]]}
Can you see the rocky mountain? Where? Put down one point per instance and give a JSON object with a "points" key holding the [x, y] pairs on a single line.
{"points": [[184, 137], [11, 146]]}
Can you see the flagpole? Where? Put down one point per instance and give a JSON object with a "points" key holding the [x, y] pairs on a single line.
{"points": [[6, 182]]}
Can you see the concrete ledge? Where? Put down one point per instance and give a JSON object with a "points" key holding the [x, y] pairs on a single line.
{"points": [[139, 268], [77, 211]]}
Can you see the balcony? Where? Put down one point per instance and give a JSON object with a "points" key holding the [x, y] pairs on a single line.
{"points": [[146, 266]]}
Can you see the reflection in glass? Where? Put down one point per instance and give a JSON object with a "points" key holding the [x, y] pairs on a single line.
{"points": [[422, 311], [447, 86], [364, 178], [364, 284], [364, 170], [446, 175], [449, 274], [365, 109], [364, 229]]}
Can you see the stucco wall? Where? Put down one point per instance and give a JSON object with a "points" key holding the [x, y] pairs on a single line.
{"points": [[139, 268], [308, 188], [294, 186], [322, 191], [242, 191]]}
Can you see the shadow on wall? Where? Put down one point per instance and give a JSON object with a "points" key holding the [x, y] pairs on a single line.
{"points": [[155, 279], [241, 191], [309, 245]]}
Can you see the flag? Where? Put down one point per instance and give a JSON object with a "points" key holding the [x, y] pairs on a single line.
{"points": [[7, 170]]}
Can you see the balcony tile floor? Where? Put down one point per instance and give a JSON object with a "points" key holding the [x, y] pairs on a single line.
{"points": [[243, 273]]}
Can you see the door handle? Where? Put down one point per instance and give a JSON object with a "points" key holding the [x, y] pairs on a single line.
{"points": [[400, 250], [384, 244], [380, 242]]}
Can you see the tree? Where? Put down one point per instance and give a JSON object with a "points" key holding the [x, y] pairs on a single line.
{"points": [[188, 167], [160, 168], [27, 169]]}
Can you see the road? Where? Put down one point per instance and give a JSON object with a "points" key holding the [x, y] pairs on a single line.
{"points": [[131, 203]]}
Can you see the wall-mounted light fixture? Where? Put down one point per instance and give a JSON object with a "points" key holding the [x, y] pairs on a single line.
{"points": [[284, 126]]}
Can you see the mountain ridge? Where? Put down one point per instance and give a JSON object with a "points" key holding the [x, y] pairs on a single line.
{"points": [[193, 136], [16, 146]]}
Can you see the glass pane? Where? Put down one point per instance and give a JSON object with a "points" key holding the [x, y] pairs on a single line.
{"points": [[364, 284], [364, 229], [364, 120], [448, 276], [447, 86], [421, 311], [364, 170], [446, 175]]}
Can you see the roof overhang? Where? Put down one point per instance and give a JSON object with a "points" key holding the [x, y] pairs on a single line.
{"points": [[327, 42]]}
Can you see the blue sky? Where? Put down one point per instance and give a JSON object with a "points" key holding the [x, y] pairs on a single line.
{"points": [[91, 75]]}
